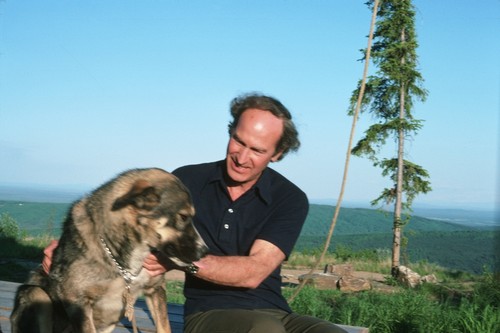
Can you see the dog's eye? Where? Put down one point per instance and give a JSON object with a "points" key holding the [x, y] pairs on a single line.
{"points": [[183, 217]]}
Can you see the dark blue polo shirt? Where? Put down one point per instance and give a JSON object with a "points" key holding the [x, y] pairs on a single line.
{"points": [[273, 210]]}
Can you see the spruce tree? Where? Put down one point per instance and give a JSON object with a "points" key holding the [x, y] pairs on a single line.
{"points": [[389, 97]]}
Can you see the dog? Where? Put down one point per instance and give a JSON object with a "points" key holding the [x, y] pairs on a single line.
{"points": [[96, 273]]}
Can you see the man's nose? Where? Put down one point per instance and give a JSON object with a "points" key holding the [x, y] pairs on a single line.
{"points": [[243, 155]]}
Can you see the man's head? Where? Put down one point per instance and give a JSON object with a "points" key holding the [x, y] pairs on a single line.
{"points": [[289, 140], [261, 132]]}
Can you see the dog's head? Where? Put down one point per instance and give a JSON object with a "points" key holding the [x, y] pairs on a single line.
{"points": [[152, 207]]}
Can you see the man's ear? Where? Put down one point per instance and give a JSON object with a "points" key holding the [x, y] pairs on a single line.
{"points": [[276, 156]]}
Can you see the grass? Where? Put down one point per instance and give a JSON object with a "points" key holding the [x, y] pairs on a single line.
{"points": [[175, 292], [409, 310], [460, 302]]}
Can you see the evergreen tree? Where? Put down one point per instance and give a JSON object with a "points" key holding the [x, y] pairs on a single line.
{"points": [[389, 97]]}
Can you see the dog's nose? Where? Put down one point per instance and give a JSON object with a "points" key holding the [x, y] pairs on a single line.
{"points": [[202, 251]]}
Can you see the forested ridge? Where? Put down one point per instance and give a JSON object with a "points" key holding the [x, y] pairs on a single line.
{"points": [[451, 245], [353, 221], [455, 246]]}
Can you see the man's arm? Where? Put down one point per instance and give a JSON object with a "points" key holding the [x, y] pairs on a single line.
{"points": [[242, 271], [236, 271]]}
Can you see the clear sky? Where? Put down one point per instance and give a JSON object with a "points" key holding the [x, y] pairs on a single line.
{"points": [[91, 88]]}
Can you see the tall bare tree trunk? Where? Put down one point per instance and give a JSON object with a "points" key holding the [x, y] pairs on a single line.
{"points": [[348, 154], [396, 242]]}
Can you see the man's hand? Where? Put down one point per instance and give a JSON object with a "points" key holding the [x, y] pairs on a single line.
{"points": [[48, 252], [153, 265]]}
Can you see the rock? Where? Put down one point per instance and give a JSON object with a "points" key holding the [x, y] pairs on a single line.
{"points": [[351, 284], [431, 278], [411, 279], [407, 277], [320, 280], [340, 270], [325, 281]]}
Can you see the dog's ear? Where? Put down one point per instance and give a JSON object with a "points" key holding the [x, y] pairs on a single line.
{"points": [[142, 195]]}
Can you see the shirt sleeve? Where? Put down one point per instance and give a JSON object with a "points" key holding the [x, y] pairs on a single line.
{"points": [[284, 226]]}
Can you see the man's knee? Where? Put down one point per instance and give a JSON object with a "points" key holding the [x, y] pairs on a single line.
{"points": [[265, 323]]}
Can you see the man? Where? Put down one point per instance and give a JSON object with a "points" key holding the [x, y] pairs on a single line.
{"points": [[250, 217]]}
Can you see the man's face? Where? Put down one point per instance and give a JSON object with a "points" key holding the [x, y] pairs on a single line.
{"points": [[252, 146]]}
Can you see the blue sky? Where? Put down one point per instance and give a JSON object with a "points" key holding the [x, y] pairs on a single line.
{"points": [[91, 88]]}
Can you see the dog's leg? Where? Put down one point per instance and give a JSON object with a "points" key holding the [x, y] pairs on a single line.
{"points": [[168, 329], [157, 305], [134, 325], [80, 316], [32, 311], [44, 316]]}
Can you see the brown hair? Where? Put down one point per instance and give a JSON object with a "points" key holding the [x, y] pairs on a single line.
{"points": [[289, 140]]}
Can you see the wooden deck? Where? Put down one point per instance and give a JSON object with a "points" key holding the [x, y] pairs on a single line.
{"points": [[144, 321]]}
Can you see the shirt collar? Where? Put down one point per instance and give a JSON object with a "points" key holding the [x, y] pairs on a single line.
{"points": [[262, 187]]}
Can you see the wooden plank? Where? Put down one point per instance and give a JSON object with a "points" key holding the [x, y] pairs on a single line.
{"points": [[143, 316]]}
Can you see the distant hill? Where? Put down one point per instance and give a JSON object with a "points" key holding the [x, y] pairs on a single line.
{"points": [[464, 247], [35, 217], [469, 217], [353, 221]]}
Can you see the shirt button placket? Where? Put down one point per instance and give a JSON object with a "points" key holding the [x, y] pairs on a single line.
{"points": [[225, 230], [226, 225]]}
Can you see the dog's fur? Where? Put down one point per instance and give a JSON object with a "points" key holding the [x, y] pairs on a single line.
{"points": [[139, 211]]}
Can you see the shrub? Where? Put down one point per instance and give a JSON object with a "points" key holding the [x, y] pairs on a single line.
{"points": [[487, 291], [9, 228]]}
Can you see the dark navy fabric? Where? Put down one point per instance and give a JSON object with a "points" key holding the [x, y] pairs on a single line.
{"points": [[273, 210]]}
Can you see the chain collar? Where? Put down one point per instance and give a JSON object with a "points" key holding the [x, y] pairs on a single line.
{"points": [[126, 275]]}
